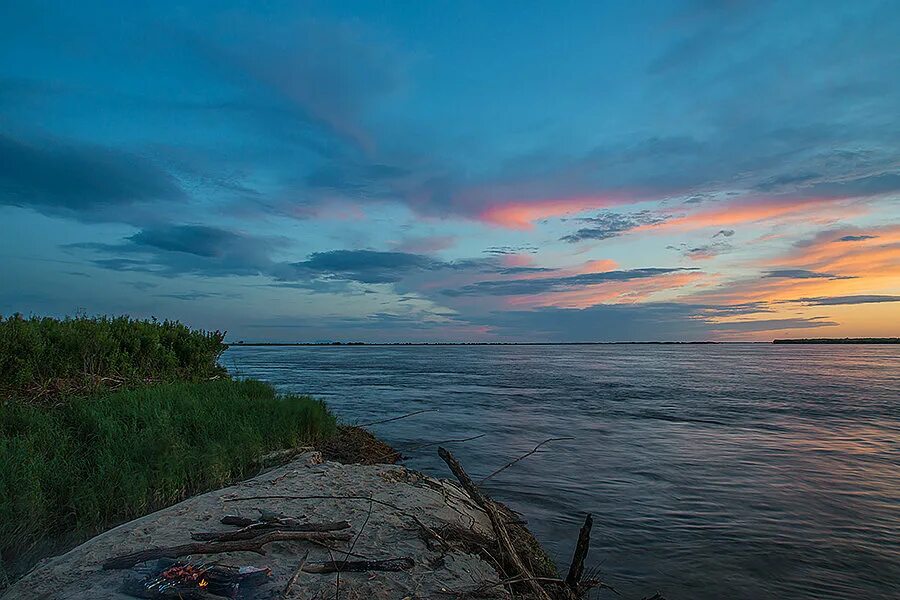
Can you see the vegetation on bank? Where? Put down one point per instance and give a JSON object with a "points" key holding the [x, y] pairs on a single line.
{"points": [[84, 465], [104, 419], [45, 358]]}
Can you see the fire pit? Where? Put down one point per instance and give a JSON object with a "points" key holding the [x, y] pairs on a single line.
{"points": [[194, 580]]}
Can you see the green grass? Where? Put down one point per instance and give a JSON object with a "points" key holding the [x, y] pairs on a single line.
{"points": [[78, 467], [45, 358]]}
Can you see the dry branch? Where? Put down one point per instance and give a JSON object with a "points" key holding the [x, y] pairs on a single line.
{"points": [[126, 561], [255, 529], [576, 569], [514, 563], [344, 566]]}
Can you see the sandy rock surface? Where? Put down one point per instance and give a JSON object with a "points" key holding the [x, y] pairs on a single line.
{"points": [[389, 532]]}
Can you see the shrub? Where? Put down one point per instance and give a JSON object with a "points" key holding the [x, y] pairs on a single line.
{"points": [[42, 357]]}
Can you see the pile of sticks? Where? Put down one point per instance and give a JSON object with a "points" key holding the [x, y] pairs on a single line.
{"points": [[518, 577], [252, 536]]}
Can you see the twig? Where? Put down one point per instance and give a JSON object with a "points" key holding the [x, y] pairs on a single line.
{"points": [[430, 444], [412, 414], [330, 550], [293, 579], [526, 455], [497, 521], [126, 561], [352, 546]]}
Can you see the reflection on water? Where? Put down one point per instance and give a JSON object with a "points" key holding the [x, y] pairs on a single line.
{"points": [[731, 471]]}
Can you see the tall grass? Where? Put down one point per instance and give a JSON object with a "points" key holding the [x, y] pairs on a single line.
{"points": [[42, 357], [75, 468]]}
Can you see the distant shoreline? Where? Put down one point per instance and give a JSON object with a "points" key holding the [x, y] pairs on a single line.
{"points": [[777, 341], [838, 341], [340, 344]]}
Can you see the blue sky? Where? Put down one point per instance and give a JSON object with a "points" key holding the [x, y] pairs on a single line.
{"points": [[422, 171]]}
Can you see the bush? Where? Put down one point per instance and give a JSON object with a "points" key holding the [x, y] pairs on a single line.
{"points": [[42, 357], [79, 467]]}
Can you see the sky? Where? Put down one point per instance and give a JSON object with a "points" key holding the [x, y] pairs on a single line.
{"points": [[455, 171]]}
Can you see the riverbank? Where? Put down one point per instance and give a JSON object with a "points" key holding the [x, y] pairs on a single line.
{"points": [[422, 537], [131, 432]]}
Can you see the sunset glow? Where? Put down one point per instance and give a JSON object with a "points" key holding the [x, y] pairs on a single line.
{"points": [[729, 171]]}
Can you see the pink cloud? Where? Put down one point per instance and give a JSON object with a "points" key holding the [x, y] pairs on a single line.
{"points": [[522, 214], [755, 210]]}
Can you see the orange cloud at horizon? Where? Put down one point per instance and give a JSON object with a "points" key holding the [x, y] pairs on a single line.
{"points": [[631, 291], [750, 211], [849, 262]]}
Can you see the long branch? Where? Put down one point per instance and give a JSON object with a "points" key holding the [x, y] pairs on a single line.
{"points": [[126, 561], [508, 548], [255, 529]]}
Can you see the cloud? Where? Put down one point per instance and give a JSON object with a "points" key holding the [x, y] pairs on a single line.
{"points": [[366, 266], [501, 250], [189, 296], [194, 249], [802, 274], [724, 233], [609, 225], [333, 72], [703, 251], [80, 180], [192, 239], [846, 300], [517, 287], [855, 238]]}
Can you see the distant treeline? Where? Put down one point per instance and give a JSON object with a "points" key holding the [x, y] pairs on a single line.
{"points": [[838, 341], [453, 343]]}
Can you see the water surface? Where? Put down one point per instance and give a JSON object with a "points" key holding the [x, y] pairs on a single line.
{"points": [[729, 471]]}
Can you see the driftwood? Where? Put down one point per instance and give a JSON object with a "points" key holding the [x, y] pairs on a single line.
{"points": [[576, 569], [510, 556], [344, 566], [254, 529], [237, 520], [126, 561]]}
